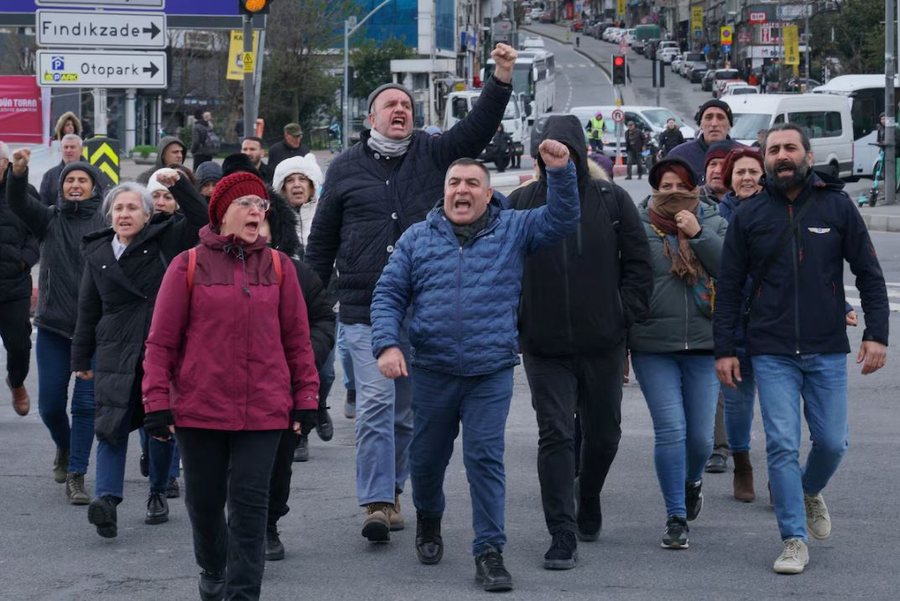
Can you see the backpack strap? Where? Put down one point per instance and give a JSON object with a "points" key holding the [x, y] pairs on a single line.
{"points": [[191, 267], [276, 264]]}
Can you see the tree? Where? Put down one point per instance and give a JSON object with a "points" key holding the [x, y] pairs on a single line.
{"points": [[371, 64], [301, 75], [855, 34]]}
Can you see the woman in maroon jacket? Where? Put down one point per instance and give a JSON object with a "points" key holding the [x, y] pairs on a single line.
{"points": [[228, 366]]}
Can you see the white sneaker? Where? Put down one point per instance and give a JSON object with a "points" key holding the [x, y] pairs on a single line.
{"points": [[793, 558], [818, 521]]}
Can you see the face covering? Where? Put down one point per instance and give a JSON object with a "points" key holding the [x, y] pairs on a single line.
{"points": [[386, 146]]}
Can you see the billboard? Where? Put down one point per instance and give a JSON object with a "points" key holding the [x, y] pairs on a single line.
{"points": [[21, 110]]}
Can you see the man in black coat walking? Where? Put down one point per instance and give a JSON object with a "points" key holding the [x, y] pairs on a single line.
{"points": [[373, 192], [578, 298], [18, 254]]}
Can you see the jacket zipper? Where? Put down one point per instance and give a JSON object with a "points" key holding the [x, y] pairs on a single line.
{"points": [[796, 281], [458, 311], [686, 318]]}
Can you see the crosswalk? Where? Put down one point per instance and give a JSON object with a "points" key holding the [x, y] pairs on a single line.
{"points": [[578, 65], [893, 290]]}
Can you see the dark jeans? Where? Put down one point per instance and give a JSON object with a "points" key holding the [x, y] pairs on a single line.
{"points": [[223, 466], [280, 483], [560, 386], [15, 330], [481, 403], [53, 353], [157, 453], [634, 158]]}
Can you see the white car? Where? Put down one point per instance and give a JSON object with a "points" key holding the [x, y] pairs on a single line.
{"points": [[610, 33], [677, 61], [651, 119], [666, 55], [536, 13], [531, 42], [735, 88]]}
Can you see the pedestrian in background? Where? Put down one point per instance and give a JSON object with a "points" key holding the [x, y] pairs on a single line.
{"points": [[573, 341], [291, 145], [60, 229], [373, 192], [670, 137], [208, 175], [228, 366], [124, 266], [204, 141], [464, 330], [19, 252], [170, 151], [671, 350], [634, 146], [68, 123], [715, 120], [792, 239]]}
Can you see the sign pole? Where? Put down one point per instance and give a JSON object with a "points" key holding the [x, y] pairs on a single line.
{"points": [[890, 111], [249, 102]]}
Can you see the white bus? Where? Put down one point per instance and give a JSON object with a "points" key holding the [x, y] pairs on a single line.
{"points": [[534, 80], [865, 93]]}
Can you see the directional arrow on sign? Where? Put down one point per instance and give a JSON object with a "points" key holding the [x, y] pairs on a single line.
{"points": [[152, 69], [153, 30], [112, 69]]}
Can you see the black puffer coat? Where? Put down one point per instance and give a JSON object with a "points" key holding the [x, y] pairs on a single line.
{"points": [[319, 306], [115, 306], [18, 251], [368, 202], [60, 230]]}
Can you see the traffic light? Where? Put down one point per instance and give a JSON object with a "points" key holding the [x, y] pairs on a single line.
{"points": [[254, 7], [618, 69]]}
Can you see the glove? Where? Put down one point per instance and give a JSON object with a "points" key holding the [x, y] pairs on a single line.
{"points": [[308, 419], [156, 424]]}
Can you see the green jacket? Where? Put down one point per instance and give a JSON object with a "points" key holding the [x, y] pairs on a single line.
{"points": [[675, 322]]}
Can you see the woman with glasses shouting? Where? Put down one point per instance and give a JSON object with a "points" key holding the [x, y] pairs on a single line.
{"points": [[228, 366]]}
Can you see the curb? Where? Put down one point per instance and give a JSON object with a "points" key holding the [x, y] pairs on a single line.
{"points": [[881, 222]]}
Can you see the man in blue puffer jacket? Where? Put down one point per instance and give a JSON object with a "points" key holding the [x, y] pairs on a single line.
{"points": [[459, 274]]}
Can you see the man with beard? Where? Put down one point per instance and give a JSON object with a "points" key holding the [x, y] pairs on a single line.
{"points": [[252, 146], [791, 240]]}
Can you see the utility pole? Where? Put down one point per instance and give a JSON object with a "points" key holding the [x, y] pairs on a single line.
{"points": [[890, 111], [249, 89], [806, 10]]}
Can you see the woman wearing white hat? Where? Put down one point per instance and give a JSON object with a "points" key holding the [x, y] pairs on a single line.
{"points": [[298, 179]]}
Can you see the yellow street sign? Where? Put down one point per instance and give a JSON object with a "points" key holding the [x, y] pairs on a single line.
{"points": [[236, 56], [726, 33], [103, 154], [791, 45], [248, 62], [620, 8], [697, 18]]}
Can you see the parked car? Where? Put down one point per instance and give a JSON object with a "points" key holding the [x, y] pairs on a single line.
{"points": [[547, 17], [697, 73], [677, 60], [794, 84], [610, 33], [666, 55], [532, 41], [738, 87], [723, 75], [577, 26], [649, 119]]}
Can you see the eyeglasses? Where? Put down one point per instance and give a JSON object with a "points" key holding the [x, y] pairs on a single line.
{"points": [[246, 203]]}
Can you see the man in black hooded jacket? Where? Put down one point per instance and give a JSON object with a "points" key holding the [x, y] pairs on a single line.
{"points": [[578, 298]]}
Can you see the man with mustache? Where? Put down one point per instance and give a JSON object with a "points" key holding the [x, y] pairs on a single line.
{"points": [[715, 120], [792, 240], [373, 192]]}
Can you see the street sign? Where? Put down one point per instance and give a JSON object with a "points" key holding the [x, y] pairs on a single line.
{"points": [[103, 154], [758, 18], [697, 18], [93, 3], [618, 115], [248, 62], [83, 69], [725, 34], [101, 29], [791, 45]]}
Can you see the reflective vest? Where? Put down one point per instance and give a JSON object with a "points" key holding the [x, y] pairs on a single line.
{"points": [[596, 128]]}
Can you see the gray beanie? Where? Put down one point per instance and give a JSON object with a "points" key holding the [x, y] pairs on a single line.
{"points": [[390, 86]]}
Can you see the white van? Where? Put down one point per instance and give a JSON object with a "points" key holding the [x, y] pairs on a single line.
{"points": [[651, 119], [826, 119], [459, 104]]}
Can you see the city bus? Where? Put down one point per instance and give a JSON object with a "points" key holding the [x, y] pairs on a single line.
{"points": [[865, 94], [534, 80]]}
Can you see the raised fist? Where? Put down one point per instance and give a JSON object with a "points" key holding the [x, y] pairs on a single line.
{"points": [[554, 154], [167, 177], [20, 160]]}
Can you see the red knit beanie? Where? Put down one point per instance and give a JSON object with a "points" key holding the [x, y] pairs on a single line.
{"points": [[230, 188]]}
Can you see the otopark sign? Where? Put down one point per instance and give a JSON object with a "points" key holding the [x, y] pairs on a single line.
{"points": [[84, 69]]}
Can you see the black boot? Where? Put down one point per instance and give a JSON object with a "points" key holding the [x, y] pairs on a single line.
{"points": [[301, 453], [589, 518], [429, 544], [212, 586], [490, 572], [274, 548], [157, 509], [324, 425], [102, 514]]}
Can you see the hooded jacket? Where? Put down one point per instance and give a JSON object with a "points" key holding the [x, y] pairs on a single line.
{"points": [[232, 351], [19, 249], [164, 143], [59, 229], [61, 122], [463, 300], [799, 306], [675, 323], [368, 202], [580, 294]]}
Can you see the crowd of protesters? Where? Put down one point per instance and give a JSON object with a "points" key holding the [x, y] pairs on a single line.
{"points": [[199, 307]]}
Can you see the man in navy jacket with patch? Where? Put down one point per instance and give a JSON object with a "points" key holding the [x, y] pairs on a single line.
{"points": [[796, 335], [458, 275]]}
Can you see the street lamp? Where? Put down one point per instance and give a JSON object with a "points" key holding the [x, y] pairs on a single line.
{"points": [[351, 27]]}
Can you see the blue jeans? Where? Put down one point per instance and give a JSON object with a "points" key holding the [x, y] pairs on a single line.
{"points": [[326, 378], [681, 391], [53, 353], [384, 422], [346, 361], [821, 381], [739, 408], [481, 403], [158, 453]]}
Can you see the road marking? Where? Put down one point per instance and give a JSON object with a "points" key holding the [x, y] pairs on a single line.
{"points": [[571, 92]]}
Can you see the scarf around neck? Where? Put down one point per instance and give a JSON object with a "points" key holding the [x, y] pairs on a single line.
{"points": [[386, 146], [662, 209]]}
